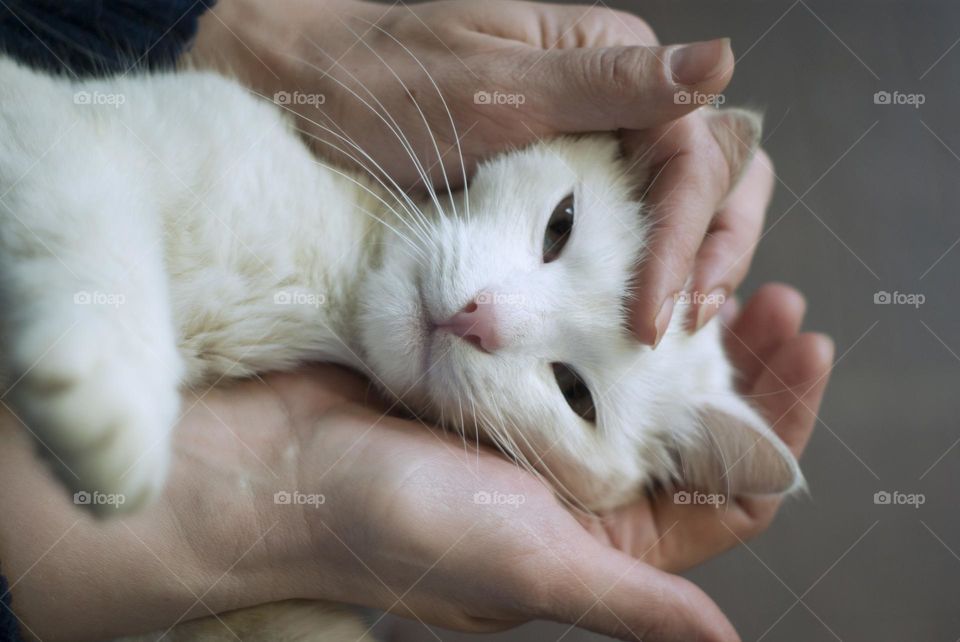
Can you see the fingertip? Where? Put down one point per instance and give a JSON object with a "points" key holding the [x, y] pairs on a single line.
{"points": [[782, 297], [708, 63], [713, 625], [642, 325], [730, 310], [816, 350]]}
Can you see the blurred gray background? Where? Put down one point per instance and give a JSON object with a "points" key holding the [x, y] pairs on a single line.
{"points": [[880, 187]]}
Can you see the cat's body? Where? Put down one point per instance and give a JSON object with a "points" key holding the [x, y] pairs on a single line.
{"points": [[187, 235]]}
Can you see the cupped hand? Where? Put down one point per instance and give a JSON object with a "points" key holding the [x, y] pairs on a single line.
{"points": [[417, 522], [365, 81], [785, 374]]}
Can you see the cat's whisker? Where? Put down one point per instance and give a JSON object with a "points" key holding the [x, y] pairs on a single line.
{"points": [[539, 469], [476, 427], [371, 214], [411, 207], [394, 189], [453, 127], [415, 214], [462, 425], [422, 235], [394, 129], [416, 105]]}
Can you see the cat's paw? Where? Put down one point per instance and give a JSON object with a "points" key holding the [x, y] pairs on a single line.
{"points": [[102, 403]]}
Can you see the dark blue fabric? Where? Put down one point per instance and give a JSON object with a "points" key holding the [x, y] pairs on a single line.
{"points": [[98, 37], [9, 629]]}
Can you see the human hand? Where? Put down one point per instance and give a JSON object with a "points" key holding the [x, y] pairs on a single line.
{"points": [[413, 521], [474, 543], [785, 373], [558, 69]]}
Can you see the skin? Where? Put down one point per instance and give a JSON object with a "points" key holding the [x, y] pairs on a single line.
{"points": [[577, 69], [399, 529], [217, 534]]}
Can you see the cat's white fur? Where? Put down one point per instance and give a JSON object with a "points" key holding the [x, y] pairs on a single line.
{"points": [[187, 234]]}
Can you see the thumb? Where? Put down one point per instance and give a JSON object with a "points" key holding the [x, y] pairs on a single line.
{"points": [[620, 596], [593, 89]]}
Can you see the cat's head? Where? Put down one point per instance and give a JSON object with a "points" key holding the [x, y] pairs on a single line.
{"points": [[508, 311]]}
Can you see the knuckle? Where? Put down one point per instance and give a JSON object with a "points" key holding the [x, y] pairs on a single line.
{"points": [[624, 69]]}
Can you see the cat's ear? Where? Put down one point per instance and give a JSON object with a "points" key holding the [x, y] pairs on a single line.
{"points": [[735, 452], [737, 132]]}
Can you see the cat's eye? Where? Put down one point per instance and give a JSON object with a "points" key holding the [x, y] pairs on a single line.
{"points": [[558, 229], [575, 391]]}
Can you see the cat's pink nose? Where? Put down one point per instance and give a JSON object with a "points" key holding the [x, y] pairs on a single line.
{"points": [[477, 324]]}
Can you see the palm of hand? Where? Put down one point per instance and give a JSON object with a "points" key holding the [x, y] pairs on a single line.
{"points": [[412, 511]]}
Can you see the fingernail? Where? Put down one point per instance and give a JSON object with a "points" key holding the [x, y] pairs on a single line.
{"points": [[709, 306], [693, 64], [662, 321]]}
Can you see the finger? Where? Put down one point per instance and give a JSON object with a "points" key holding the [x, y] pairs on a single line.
{"points": [[791, 389], [690, 177], [729, 310], [771, 316], [609, 88], [614, 594], [790, 393], [726, 253], [569, 27], [792, 385]]}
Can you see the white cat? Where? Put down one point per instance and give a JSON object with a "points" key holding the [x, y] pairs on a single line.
{"points": [[172, 230]]}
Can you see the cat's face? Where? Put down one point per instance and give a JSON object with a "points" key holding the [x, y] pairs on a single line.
{"points": [[511, 315]]}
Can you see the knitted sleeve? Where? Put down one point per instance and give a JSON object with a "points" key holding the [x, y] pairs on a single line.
{"points": [[98, 37], [9, 629]]}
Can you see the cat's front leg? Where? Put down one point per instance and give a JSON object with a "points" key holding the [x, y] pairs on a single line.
{"points": [[91, 366]]}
